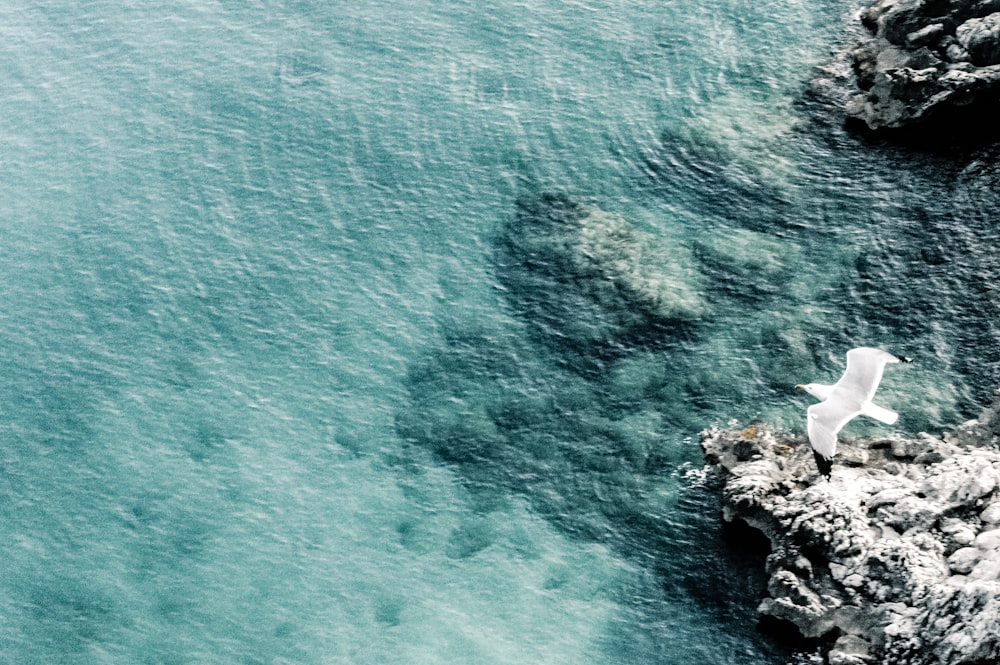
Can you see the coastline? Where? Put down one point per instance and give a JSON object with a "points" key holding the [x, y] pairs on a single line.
{"points": [[896, 559], [916, 72]]}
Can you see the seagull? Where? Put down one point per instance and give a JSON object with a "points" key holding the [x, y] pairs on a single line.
{"points": [[849, 397]]}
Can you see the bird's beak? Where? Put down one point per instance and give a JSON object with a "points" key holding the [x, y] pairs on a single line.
{"points": [[799, 386]]}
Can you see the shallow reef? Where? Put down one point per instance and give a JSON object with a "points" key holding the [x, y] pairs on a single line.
{"points": [[591, 280]]}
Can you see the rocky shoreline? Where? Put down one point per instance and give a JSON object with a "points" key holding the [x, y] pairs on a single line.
{"points": [[927, 70], [896, 559]]}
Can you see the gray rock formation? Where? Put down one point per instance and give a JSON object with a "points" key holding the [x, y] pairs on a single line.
{"points": [[896, 560], [927, 64]]}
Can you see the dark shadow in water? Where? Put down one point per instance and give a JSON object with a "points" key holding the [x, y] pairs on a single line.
{"points": [[588, 282], [951, 134], [513, 421], [705, 569], [487, 404]]}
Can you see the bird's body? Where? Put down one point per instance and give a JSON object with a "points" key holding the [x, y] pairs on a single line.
{"points": [[851, 396]]}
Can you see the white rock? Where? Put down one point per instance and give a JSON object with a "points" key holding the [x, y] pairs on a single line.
{"points": [[890, 495], [964, 560], [950, 525], [854, 581], [908, 512], [883, 539], [902, 627], [850, 650], [960, 480], [906, 448], [987, 570], [991, 514], [961, 533], [988, 540], [964, 536]]}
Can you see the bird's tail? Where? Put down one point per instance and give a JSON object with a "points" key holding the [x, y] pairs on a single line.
{"points": [[879, 413], [825, 464]]}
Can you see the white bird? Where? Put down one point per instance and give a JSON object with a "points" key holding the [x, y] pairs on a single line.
{"points": [[849, 397]]}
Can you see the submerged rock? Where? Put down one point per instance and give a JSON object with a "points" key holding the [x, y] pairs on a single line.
{"points": [[592, 279], [747, 264], [927, 65], [897, 558]]}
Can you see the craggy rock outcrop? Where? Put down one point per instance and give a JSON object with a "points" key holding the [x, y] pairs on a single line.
{"points": [[896, 560], [927, 64], [591, 279]]}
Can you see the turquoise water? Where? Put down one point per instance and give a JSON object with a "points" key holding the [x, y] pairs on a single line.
{"points": [[272, 393]]}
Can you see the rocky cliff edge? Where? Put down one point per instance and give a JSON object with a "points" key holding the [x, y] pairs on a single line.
{"points": [[896, 559], [919, 68]]}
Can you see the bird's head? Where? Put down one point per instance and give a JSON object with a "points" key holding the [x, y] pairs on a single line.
{"points": [[813, 389]]}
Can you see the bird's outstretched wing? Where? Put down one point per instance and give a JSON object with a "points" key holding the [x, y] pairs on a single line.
{"points": [[864, 371], [824, 421], [847, 398]]}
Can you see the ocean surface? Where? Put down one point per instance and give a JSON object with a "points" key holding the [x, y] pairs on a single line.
{"points": [[270, 391]]}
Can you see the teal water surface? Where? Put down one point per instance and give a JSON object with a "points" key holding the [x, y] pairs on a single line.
{"points": [[271, 393]]}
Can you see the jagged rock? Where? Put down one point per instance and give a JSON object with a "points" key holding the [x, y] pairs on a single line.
{"points": [[980, 37], [898, 560], [924, 65], [850, 650], [926, 35]]}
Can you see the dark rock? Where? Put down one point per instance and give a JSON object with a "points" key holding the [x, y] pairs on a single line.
{"points": [[980, 37], [926, 67]]}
